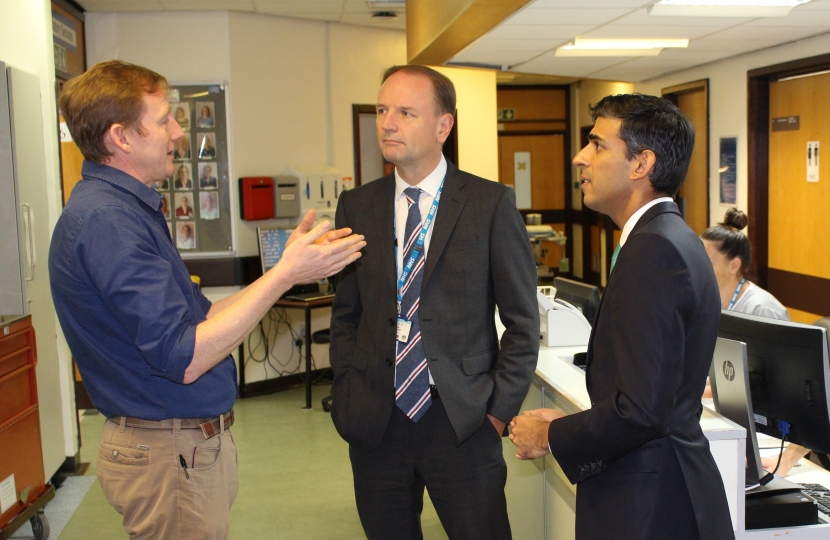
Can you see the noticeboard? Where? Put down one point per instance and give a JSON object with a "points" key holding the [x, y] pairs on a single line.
{"points": [[198, 203]]}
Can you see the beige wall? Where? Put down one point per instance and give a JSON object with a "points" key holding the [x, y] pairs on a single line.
{"points": [[583, 94], [478, 145], [728, 105]]}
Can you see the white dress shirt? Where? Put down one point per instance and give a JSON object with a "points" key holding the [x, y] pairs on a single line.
{"points": [[635, 217]]}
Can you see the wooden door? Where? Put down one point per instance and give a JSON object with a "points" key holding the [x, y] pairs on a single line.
{"points": [[798, 216], [693, 198], [547, 167]]}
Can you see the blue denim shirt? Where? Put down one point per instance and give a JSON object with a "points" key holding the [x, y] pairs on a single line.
{"points": [[126, 303]]}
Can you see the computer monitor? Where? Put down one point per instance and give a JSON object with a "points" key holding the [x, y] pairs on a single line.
{"points": [[582, 296], [788, 376], [272, 243], [730, 390]]}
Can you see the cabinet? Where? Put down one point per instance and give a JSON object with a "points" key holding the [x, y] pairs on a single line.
{"points": [[21, 457]]}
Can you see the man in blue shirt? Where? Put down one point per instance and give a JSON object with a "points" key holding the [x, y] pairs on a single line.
{"points": [[153, 351]]}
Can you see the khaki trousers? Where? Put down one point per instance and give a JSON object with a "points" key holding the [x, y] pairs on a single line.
{"points": [[142, 478]]}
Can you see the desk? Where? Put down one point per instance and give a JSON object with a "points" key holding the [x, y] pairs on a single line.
{"points": [[538, 492], [542, 502], [306, 306]]}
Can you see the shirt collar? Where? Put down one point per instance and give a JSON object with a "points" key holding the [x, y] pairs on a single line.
{"points": [[125, 181], [635, 217], [430, 184]]}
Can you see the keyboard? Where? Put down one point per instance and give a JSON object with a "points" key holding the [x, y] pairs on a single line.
{"points": [[820, 494]]}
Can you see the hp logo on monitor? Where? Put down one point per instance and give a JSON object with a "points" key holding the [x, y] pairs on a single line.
{"points": [[729, 371]]}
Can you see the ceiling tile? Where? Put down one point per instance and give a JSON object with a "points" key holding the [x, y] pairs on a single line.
{"points": [[554, 17], [208, 5], [642, 18], [782, 34], [568, 67], [815, 5], [796, 18], [651, 32], [595, 4], [508, 31], [365, 19], [279, 7]]}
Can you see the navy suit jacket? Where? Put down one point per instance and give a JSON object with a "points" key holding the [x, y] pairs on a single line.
{"points": [[640, 448]]}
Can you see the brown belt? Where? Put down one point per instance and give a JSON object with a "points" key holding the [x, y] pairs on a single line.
{"points": [[209, 426]]}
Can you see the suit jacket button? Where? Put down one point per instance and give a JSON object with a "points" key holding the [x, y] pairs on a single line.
{"points": [[391, 321], [388, 361]]}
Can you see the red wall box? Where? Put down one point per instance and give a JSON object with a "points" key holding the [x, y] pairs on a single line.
{"points": [[20, 444], [256, 197]]}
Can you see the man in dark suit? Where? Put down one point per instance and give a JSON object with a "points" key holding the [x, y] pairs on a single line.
{"points": [[640, 459], [422, 389]]}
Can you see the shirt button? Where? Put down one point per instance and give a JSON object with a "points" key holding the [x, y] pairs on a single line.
{"points": [[115, 453]]}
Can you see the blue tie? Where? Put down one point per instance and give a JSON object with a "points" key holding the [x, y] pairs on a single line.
{"points": [[412, 393], [614, 258]]}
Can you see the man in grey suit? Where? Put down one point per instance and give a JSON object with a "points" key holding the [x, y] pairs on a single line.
{"points": [[422, 388], [638, 455]]}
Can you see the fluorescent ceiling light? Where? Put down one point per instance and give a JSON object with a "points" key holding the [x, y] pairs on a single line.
{"points": [[385, 3], [723, 8], [619, 47]]}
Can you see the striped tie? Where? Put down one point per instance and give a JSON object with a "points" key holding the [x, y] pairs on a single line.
{"points": [[412, 393]]}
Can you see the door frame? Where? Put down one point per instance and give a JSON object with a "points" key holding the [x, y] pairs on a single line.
{"points": [[672, 93], [806, 293], [552, 215]]}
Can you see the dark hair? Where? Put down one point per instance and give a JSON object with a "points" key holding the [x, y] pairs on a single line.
{"points": [[443, 89], [730, 241], [652, 123], [112, 92]]}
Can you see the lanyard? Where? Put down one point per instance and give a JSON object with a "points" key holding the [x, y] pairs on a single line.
{"points": [[735, 296], [419, 243]]}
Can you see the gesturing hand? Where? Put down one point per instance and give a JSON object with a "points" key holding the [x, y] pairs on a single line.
{"points": [[318, 253]]}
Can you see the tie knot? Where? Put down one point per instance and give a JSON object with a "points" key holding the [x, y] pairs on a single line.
{"points": [[413, 194]]}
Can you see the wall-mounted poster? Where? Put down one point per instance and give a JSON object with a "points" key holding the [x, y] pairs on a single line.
{"points": [[728, 170], [201, 206]]}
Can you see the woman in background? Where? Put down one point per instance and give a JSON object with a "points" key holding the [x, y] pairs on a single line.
{"points": [[729, 250]]}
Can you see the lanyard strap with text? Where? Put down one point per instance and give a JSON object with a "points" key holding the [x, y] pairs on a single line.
{"points": [[735, 296], [419, 244]]}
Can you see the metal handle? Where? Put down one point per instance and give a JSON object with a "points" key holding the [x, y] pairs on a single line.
{"points": [[27, 225]]}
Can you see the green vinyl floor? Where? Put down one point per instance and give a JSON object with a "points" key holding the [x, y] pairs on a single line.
{"points": [[294, 475]]}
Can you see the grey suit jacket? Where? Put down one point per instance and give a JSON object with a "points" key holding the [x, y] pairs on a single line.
{"points": [[479, 257], [640, 448]]}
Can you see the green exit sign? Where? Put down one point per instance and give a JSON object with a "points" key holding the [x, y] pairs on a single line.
{"points": [[507, 114]]}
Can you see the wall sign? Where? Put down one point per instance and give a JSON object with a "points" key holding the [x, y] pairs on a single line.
{"points": [[507, 114], [786, 123], [812, 161]]}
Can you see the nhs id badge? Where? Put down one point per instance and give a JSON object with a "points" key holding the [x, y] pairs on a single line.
{"points": [[403, 330]]}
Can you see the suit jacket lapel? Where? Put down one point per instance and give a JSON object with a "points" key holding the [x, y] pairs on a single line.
{"points": [[384, 206], [453, 198]]}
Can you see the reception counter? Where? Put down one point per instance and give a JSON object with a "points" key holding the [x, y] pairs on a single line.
{"points": [[542, 502]]}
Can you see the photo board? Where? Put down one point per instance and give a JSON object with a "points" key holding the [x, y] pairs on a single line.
{"points": [[200, 210]]}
